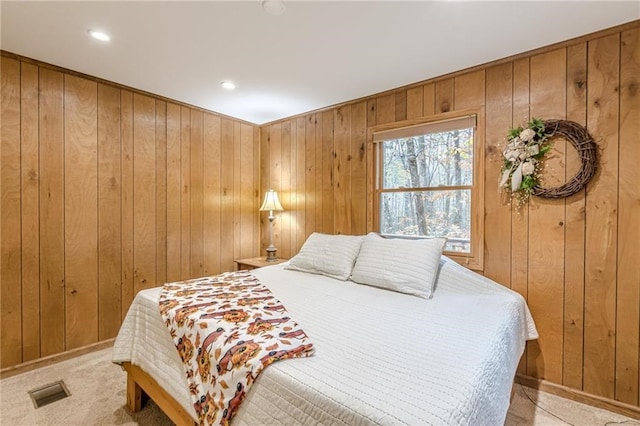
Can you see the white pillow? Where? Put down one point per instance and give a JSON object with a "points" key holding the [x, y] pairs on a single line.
{"points": [[406, 266], [330, 255]]}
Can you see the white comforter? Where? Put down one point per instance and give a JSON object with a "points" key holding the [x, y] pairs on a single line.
{"points": [[381, 357]]}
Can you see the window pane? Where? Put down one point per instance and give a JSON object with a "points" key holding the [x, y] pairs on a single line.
{"points": [[436, 159], [429, 213]]}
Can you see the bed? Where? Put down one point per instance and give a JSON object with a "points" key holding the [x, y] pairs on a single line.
{"points": [[382, 357]]}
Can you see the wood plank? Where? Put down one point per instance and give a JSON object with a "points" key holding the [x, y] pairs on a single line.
{"points": [[429, 99], [385, 108], [401, 105], [211, 177], [185, 192], [246, 193], [415, 101], [318, 172], [144, 193], [342, 169], [161, 192], [293, 199], [237, 166], [80, 211], [628, 291], [275, 174], [226, 200], [51, 211], [358, 162], [257, 143], [30, 210], [265, 183], [520, 218], [174, 194], [310, 175], [284, 194], [444, 96], [11, 312], [197, 195], [126, 140], [469, 90], [546, 224], [497, 238], [574, 226], [328, 155], [373, 224], [602, 219], [300, 181], [109, 201]]}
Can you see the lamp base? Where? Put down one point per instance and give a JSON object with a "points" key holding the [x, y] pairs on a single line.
{"points": [[271, 254]]}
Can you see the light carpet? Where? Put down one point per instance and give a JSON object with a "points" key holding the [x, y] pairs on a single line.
{"points": [[98, 397]]}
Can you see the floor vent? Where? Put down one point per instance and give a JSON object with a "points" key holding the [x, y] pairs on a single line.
{"points": [[50, 393]]}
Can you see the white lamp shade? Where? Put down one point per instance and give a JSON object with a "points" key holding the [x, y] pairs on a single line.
{"points": [[271, 202]]}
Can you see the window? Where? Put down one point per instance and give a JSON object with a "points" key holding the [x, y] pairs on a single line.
{"points": [[429, 183]]}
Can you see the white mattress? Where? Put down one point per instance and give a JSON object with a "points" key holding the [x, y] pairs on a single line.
{"points": [[381, 357]]}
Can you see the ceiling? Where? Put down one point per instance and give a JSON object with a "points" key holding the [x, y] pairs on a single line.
{"points": [[314, 55]]}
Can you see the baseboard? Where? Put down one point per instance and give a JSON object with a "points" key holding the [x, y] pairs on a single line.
{"points": [[580, 396], [53, 359]]}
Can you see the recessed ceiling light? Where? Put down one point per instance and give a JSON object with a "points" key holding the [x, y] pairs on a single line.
{"points": [[99, 35], [229, 85], [273, 7]]}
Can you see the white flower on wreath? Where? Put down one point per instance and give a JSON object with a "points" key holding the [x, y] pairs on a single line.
{"points": [[527, 134], [528, 168]]}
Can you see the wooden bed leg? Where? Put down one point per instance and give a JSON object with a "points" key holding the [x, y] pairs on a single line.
{"points": [[134, 395]]}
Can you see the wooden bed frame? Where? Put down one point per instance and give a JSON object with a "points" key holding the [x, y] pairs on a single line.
{"points": [[140, 384]]}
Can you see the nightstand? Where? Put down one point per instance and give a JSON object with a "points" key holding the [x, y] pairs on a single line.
{"points": [[255, 262]]}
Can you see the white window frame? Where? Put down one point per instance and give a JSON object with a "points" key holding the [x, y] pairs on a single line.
{"points": [[475, 258]]}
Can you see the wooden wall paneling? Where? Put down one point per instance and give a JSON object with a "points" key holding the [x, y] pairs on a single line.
{"points": [[256, 190], [80, 212], [386, 109], [246, 193], [174, 194], [358, 197], [602, 218], [574, 226], [52, 290], [161, 192], [292, 213], [372, 120], [310, 175], [497, 223], [401, 105], [126, 135], [11, 272], [144, 193], [428, 99], [469, 90], [284, 194], [196, 200], [211, 175], [265, 183], [342, 169], [546, 223], [109, 206], [318, 172], [275, 173], [301, 192], [30, 210], [415, 101], [444, 96], [226, 199], [185, 188], [628, 291], [520, 217], [237, 165], [328, 152]]}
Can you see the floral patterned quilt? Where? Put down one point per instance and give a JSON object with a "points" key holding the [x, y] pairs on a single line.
{"points": [[227, 329]]}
